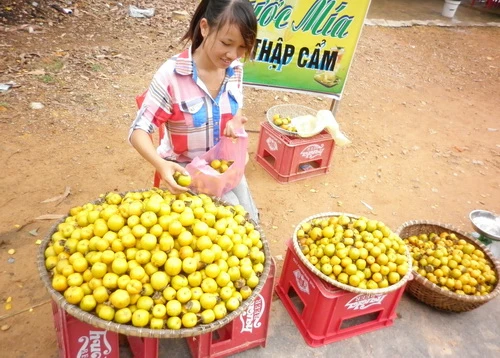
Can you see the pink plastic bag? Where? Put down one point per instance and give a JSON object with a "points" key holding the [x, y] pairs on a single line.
{"points": [[207, 180]]}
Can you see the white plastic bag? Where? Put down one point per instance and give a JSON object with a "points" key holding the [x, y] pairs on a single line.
{"points": [[134, 11], [308, 126]]}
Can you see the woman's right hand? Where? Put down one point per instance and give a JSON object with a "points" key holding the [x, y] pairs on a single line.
{"points": [[141, 141], [167, 170]]}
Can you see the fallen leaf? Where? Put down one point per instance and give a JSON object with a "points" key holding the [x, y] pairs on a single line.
{"points": [[5, 327], [50, 217], [67, 191], [180, 15], [122, 57], [40, 72], [34, 232], [367, 205], [11, 252], [36, 105], [38, 242]]}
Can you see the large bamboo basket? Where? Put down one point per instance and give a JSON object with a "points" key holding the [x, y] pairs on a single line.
{"points": [[130, 330], [430, 293], [336, 283]]}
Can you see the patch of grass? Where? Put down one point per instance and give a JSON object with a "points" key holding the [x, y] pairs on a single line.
{"points": [[4, 104], [47, 78], [95, 67], [55, 66]]}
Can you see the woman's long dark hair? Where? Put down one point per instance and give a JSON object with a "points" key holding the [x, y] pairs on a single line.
{"points": [[219, 13]]}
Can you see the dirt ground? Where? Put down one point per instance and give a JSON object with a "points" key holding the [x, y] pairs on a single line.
{"points": [[420, 106]]}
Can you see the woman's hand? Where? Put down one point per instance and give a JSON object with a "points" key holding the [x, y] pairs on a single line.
{"points": [[143, 144], [235, 125], [167, 170]]}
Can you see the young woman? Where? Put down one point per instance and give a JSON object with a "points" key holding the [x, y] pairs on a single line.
{"points": [[197, 95]]}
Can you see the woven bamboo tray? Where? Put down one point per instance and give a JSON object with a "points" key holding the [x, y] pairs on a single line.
{"points": [[288, 110], [345, 287], [130, 330], [430, 293]]}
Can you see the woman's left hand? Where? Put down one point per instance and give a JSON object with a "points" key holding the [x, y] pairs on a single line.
{"points": [[235, 125]]}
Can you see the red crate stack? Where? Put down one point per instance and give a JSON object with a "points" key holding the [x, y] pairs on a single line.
{"points": [[79, 339], [247, 331], [324, 313], [288, 159]]}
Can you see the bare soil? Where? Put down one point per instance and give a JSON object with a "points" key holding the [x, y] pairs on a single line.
{"points": [[420, 106]]}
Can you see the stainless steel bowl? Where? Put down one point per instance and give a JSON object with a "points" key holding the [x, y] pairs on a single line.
{"points": [[486, 223]]}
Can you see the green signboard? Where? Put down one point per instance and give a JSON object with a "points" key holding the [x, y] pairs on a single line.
{"points": [[305, 45]]}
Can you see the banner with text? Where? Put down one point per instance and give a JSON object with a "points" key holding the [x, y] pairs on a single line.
{"points": [[305, 45]]}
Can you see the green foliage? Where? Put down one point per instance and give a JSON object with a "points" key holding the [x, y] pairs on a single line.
{"points": [[47, 78], [95, 67], [55, 66]]}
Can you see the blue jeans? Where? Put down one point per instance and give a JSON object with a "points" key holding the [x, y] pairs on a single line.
{"points": [[241, 195]]}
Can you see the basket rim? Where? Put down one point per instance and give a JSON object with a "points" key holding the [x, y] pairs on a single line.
{"points": [[345, 287], [290, 106], [435, 288], [130, 330]]}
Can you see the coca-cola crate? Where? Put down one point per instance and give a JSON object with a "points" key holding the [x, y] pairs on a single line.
{"points": [[324, 313], [247, 331], [288, 159], [79, 339], [143, 347]]}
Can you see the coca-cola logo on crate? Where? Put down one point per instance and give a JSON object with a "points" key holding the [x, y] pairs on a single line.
{"points": [[312, 151], [250, 319], [95, 345], [363, 301], [271, 143], [301, 281]]}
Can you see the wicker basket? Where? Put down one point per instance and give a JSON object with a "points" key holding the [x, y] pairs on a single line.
{"points": [[345, 287], [130, 330], [288, 110], [432, 294]]}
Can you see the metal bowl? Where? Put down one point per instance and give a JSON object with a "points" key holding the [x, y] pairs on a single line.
{"points": [[486, 223]]}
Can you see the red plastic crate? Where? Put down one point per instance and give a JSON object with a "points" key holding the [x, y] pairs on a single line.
{"points": [[245, 332], [143, 347], [288, 159], [79, 339], [324, 313]]}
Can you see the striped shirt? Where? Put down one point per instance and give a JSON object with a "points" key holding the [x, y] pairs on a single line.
{"points": [[180, 101]]}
